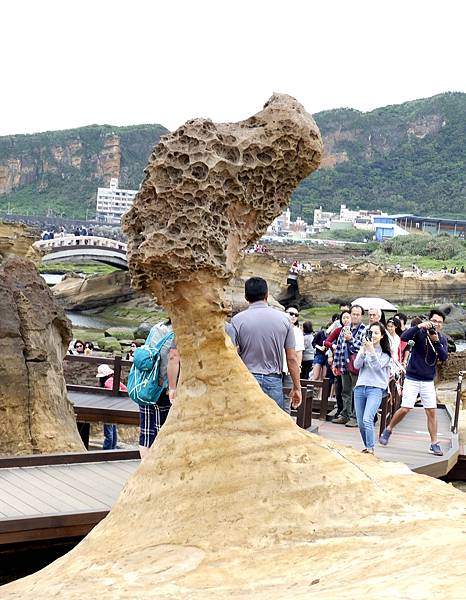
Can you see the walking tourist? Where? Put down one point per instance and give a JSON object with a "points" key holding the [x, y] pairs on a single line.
{"points": [[263, 335], [349, 341], [293, 314], [320, 358], [153, 416], [308, 353], [105, 376], [430, 346], [373, 361]]}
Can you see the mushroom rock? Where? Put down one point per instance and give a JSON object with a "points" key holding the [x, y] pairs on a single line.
{"points": [[234, 500], [36, 416]]}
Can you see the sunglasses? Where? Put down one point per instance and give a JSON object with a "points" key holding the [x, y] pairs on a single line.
{"points": [[294, 314]]}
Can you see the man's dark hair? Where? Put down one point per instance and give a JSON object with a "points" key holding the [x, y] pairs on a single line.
{"points": [[357, 306], [436, 311], [293, 306], [344, 304], [255, 289]]}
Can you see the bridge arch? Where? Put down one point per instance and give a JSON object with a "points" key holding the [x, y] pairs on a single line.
{"points": [[82, 248]]}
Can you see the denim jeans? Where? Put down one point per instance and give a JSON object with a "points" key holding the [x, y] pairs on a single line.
{"points": [[272, 386], [367, 400], [110, 436]]}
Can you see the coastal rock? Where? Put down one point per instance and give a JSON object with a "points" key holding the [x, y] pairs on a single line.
{"points": [[120, 333], [328, 283], [17, 239], [93, 292], [34, 335]]}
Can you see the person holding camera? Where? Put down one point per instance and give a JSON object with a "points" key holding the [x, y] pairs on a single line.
{"points": [[373, 361], [429, 347]]}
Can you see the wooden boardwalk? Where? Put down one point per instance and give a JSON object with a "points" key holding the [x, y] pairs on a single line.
{"points": [[104, 408], [58, 500], [409, 442], [64, 496]]}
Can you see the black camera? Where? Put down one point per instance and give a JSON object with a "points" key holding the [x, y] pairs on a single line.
{"points": [[432, 330], [369, 335]]}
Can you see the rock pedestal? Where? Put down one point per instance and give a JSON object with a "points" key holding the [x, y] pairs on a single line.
{"points": [[36, 416]]}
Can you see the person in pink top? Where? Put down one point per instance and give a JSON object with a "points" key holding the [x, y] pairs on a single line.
{"points": [[105, 376]]}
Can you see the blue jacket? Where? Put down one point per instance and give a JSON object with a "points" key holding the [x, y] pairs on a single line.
{"points": [[424, 354]]}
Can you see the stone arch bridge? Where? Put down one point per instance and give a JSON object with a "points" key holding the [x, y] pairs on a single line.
{"points": [[82, 248]]}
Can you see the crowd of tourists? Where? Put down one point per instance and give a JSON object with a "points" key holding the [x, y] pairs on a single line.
{"points": [[360, 355], [359, 358]]}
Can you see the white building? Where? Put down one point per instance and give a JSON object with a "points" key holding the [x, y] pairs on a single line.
{"points": [[281, 223], [112, 202]]}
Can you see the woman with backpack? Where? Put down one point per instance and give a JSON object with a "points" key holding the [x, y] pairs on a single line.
{"points": [[152, 415], [105, 376]]}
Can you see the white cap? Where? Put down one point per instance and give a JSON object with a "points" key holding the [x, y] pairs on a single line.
{"points": [[104, 371]]}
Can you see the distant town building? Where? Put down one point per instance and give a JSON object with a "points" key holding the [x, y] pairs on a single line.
{"points": [[388, 226], [112, 202], [281, 223]]}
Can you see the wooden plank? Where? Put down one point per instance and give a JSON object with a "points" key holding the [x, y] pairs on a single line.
{"points": [[64, 490], [68, 458], [47, 528], [13, 495], [100, 492], [34, 487], [409, 444], [111, 473]]}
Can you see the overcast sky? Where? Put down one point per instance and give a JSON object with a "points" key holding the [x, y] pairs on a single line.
{"points": [[70, 63]]}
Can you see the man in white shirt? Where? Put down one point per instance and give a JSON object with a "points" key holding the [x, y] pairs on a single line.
{"points": [[293, 314]]}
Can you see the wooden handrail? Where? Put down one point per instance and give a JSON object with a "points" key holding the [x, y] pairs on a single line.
{"points": [[117, 362], [325, 386]]}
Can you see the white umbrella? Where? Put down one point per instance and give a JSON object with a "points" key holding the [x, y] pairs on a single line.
{"points": [[368, 303]]}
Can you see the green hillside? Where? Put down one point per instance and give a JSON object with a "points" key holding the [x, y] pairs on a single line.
{"points": [[404, 158], [58, 172]]}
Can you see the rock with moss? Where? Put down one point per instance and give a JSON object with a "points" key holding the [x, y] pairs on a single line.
{"points": [[109, 344], [120, 333]]}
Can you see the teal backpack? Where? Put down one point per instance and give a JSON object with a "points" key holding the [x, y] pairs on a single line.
{"points": [[143, 379]]}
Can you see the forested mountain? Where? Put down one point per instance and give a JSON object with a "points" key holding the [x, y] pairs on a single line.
{"points": [[58, 172], [403, 158]]}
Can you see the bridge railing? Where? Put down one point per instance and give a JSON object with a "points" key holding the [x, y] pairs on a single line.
{"points": [[73, 241]]}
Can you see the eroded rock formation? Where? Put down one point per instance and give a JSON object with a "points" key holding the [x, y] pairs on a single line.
{"points": [[16, 238], [36, 416], [234, 501], [82, 293]]}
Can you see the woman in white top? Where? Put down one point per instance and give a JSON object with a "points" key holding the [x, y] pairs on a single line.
{"points": [[373, 361], [394, 338]]}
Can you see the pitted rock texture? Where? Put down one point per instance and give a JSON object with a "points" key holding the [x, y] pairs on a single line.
{"points": [[36, 416], [212, 189]]}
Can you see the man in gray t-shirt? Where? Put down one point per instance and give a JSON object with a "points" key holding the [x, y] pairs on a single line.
{"points": [[262, 336]]}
